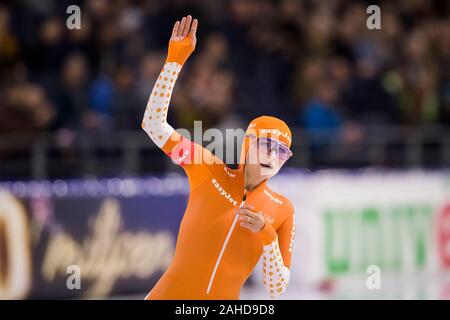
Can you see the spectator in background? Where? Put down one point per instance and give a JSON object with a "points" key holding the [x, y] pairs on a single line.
{"points": [[367, 101], [419, 94], [257, 56], [320, 116], [9, 44], [45, 57], [72, 94], [101, 101], [440, 36], [126, 101], [444, 115], [25, 108], [148, 71]]}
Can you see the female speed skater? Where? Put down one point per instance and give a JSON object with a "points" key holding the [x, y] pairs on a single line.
{"points": [[232, 217]]}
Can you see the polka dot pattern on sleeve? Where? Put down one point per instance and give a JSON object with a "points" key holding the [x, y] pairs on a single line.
{"points": [[275, 274], [155, 116]]}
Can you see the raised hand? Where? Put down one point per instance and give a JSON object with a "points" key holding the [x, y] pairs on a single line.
{"points": [[183, 40]]}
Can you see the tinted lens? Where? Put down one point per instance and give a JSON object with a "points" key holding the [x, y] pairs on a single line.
{"points": [[284, 153], [268, 145]]}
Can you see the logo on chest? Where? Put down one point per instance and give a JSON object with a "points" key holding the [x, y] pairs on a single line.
{"points": [[223, 192], [272, 197]]}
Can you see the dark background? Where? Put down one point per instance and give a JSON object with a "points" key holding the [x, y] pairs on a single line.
{"points": [[71, 101]]}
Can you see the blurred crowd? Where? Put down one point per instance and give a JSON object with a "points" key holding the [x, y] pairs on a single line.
{"points": [[314, 63]]}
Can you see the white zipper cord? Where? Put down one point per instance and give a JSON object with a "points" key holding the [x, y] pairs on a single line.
{"points": [[230, 231]]}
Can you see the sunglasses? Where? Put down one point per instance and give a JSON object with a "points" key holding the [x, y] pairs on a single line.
{"points": [[268, 145]]}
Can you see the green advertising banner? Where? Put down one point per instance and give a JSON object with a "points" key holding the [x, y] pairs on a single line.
{"points": [[351, 222]]}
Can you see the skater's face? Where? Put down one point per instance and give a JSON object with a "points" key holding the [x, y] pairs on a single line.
{"points": [[266, 156]]}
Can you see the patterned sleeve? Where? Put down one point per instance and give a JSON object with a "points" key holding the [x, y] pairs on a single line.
{"points": [[277, 252], [192, 157], [155, 116]]}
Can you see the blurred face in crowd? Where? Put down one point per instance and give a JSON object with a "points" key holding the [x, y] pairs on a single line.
{"points": [[52, 31], [4, 20], [326, 92], [75, 71], [264, 159]]}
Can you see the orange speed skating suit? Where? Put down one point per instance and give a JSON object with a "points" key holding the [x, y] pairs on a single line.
{"points": [[214, 255]]}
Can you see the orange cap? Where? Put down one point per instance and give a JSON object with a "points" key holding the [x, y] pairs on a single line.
{"points": [[266, 127], [270, 127]]}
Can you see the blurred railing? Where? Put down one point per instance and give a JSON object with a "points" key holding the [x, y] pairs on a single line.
{"points": [[124, 153]]}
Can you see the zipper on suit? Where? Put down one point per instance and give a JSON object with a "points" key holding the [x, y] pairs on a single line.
{"points": [[225, 243]]}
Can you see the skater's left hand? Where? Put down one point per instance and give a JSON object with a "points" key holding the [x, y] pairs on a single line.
{"points": [[250, 219]]}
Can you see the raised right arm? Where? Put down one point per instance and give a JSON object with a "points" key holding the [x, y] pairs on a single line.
{"points": [[192, 157], [181, 45]]}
